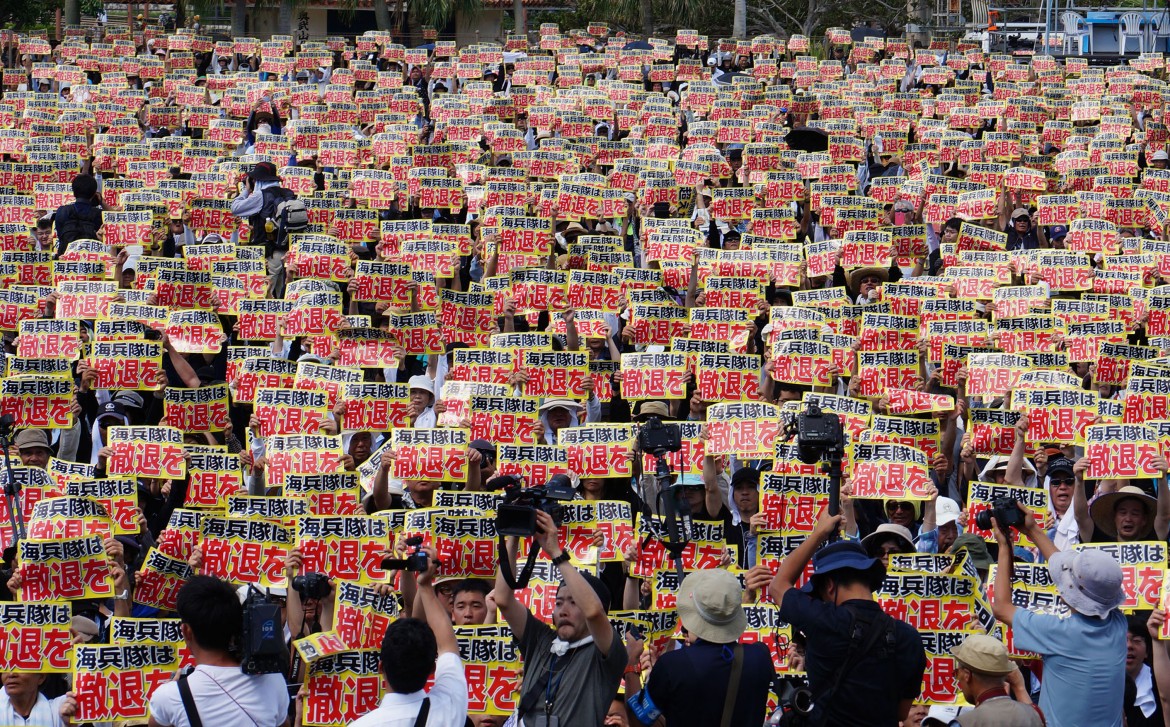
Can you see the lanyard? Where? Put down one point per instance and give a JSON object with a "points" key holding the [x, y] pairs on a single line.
{"points": [[553, 686]]}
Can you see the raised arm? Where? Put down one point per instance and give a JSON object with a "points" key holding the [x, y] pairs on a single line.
{"points": [[433, 610], [548, 535], [792, 566], [514, 612], [1081, 502]]}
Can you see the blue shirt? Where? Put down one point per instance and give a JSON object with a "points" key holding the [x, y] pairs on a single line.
{"points": [[1084, 666]]}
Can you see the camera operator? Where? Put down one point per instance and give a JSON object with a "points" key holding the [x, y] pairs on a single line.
{"points": [[714, 680], [222, 694], [864, 667], [571, 670], [411, 650]]}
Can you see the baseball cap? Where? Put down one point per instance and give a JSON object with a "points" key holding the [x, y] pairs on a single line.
{"points": [[984, 654], [29, 438]]}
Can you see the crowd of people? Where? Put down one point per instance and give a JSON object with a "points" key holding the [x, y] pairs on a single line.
{"points": [[349, 382]]}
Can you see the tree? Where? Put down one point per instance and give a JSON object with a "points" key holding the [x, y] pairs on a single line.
{"points": [[809, 17], [27, 12]]}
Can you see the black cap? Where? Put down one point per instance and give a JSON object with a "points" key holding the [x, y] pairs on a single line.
{"points": [[1060, 464]]}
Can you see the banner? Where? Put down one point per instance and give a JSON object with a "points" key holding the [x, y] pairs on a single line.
{"points": [[430, 454], [35, 637], [116, 681], [204, 409], [147, 452], [1121, 451], [248, 551], [889, 471], [653, 376], [600, 450], [344, 548], [64, 570]]}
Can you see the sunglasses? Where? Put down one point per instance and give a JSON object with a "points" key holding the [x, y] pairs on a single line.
{"points": [[1063, 482], [899, 506]]}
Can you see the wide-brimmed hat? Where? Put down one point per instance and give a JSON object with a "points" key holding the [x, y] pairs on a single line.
{"points": [[559, 403], [1103, 507], [846, 554], [263, 172], [1089, 580], [858, 273], [1021, 213], [889, 531], [710, 606], [984, 654]]}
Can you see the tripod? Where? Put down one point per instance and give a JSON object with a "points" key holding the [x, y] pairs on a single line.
{"points": [[677, 511], [11, 490]]}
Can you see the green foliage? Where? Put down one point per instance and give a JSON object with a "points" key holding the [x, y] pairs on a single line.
{"points": [[24, 14], [709, 18], [92, 7]]}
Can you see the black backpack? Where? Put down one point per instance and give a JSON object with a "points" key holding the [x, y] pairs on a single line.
{"points": [[78, 226], [288, 214]]}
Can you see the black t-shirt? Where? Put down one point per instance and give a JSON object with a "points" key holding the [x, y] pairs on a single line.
{"points": [[689, 685], [870, 694]]}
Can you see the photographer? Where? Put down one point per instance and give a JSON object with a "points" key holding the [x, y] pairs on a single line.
{"points": [[714, 680], [1084, 655], [864, 667], [572, 671], [411, 651], [221, 693]]}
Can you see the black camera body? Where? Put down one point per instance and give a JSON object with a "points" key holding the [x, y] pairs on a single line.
{"points": [[311, 585], [262, 644], [817, 432], [654, 437], [516, 514], [416, 562], [1005, 512]]}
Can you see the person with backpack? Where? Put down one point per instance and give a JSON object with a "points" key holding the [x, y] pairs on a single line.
{"points": [[81, 219], [864, 667], [273, 213]]}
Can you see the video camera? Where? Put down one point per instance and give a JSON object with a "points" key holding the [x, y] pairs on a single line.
{"points": [[817, 433], [416, 562], [654, 437], [262, 640], [516, 515]]}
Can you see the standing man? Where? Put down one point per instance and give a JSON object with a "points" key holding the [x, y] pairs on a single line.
{"points": [[691, 686], [411, 650], [1084, 655], [572, 669], [864, 667]]}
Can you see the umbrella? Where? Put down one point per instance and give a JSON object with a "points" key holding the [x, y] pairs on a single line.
{"points": [[426, 46], [638, 45], [806, 139]]}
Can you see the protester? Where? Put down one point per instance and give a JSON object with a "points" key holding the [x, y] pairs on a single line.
{"points": [[984, 672]]}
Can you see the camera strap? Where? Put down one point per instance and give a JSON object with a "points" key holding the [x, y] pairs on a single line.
{"points": [[860, 643], [189, 702], [525, 575], [423, 711], [732, 686]]}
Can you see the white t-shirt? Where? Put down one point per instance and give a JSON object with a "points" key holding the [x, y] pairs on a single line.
{"points": [[224, 695], [448, 700], [45, 712]]}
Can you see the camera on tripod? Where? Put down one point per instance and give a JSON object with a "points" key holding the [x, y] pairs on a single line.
{"points": [[516, 514], [416, 562], [311, 586], [654, 437], [817, 433]]}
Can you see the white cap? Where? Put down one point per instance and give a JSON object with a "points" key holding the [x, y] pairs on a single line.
{"points": [[243, 591], [1159, 155], [424, 382], [943, 713], [946, 511]]}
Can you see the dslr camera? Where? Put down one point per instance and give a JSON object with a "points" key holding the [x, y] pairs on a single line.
{"points": [[415, 562], [816, 432], [311, 585], [654, 437], [516, 514], [1005, 512]]}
